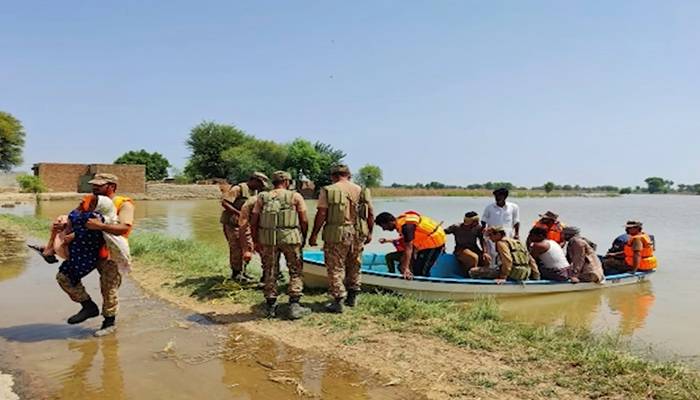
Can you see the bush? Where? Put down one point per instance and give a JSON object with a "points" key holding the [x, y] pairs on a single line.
{"points": [[626, 190], [31, 184]]}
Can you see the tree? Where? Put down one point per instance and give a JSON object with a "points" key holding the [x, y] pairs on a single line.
{"points": [[156, 165], [369, 176], [11, 141], [658, 185], [207, 142], [313, 160], [303, 159], [256, 155], [328, 157], [548, 187], [31, 184], [626, 190]]}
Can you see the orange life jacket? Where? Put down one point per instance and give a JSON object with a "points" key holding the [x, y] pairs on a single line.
{"points": [[429, 234], [554, 232], [118, 201], [648, 261]]}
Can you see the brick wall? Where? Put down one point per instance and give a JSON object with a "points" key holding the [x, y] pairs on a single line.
{"points": [[132, 178], [60, 177], [73, 177]]}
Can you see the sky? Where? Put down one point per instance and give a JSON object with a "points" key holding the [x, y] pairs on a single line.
{"points": [[578, 92]]}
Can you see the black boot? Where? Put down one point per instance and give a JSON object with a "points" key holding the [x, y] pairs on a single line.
{"points": [[296, 310], [336, 306], [107, 327], [89, 310], [270, 308], [351, 300]]}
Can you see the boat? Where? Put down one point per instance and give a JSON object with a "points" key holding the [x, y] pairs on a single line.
{"points": [[448, 281]]}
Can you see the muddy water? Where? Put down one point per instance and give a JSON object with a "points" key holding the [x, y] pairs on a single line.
{"points": [[662, 314], [158, 352]]}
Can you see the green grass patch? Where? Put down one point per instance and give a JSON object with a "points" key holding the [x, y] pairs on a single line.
{"points": [[592, 365]]}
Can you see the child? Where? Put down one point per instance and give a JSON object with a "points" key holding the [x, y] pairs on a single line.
{"points": [[394, 257]]}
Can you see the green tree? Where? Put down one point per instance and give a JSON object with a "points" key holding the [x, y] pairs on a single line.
{"points": [[548, 187], [369, 176], [328, 156], [303, 159], [31, 184], [256, 155], [11, 141], [626, 190], [156, 165], [207, 142], [658, 185]]}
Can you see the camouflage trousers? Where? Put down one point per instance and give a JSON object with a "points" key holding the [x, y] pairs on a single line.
{"points": [[343, 261], [110, 280], [235, 250], [271, 266]]}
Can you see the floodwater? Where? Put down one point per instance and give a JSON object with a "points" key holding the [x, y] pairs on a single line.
{"points": [[661, 314], [158, 352]]}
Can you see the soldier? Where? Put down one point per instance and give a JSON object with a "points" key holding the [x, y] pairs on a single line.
{"points": [[346, 216], [110, 278], [232, 201], [279, 225]]}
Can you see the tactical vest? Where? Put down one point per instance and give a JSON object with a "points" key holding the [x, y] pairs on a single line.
{"points": [[279, 221], [229, 218], [520, 270], [337, 229]]}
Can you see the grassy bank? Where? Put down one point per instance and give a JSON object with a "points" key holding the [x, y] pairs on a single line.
{"points": [[533, 361], [405, 192]]}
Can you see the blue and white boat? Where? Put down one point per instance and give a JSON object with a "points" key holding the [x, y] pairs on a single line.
{"points": [[448, 281]]}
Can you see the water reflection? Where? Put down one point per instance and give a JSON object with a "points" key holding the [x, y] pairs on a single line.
{"points": [[13, 255], [624, 309], [76, 382], [633, 305]]}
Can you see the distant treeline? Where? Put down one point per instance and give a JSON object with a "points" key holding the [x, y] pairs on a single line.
{"points": [[653, 185], [547, 187]]}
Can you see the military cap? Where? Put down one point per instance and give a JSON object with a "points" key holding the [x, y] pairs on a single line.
{"points": [[259, 176], [496, 229], [550, 215], [340, 169], [279, 176], [633, 224], [103, 179]]}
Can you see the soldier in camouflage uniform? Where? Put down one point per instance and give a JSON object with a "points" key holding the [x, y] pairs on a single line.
{"points": [[110, 278], [279, 226], [232, 201], [346, 217]]}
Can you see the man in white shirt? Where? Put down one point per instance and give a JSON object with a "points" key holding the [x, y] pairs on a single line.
{"points": [[501, 213]]}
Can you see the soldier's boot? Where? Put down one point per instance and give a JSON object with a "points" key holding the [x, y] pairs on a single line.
{"points": [[296, 310], [270, 308], [238, 276], [351, 300], [336, 306], [108, 327], [89, 310]]}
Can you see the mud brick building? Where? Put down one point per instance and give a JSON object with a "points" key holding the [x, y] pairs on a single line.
{"points": [[74, 177]]}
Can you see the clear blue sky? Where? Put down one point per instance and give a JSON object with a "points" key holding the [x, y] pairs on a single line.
{"points": [[589, 92]]}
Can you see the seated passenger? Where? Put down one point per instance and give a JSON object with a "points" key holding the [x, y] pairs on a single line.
{"points": [[549, 221], [580, 252], [512, 260], [469, 242], [394, 257], [553, 263], [615, 256], [637, 253]]}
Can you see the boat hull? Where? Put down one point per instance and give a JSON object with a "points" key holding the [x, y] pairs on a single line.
{"points": [[432, 288]]}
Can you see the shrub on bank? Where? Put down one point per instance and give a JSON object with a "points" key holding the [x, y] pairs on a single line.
{"points": [[31, 184]]}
